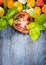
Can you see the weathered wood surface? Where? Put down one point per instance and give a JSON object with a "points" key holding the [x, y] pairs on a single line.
{"points": [[18, 49]]}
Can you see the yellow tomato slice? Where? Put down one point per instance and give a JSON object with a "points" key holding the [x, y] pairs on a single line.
{"points": [[38, 10], [1, 11], [19, 5], [30, 3]]}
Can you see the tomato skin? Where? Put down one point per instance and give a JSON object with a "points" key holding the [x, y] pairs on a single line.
{"points": [[1, 2], [44, 9], [44, 0], [1, 11], [38, 10], [30, 3], [22, 22], [39, 3], [9, 3]]}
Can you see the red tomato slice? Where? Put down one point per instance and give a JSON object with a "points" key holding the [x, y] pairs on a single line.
{"points": [[21, 23]]}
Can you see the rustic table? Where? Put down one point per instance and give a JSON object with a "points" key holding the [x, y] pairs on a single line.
{"points": [[18, 49]]}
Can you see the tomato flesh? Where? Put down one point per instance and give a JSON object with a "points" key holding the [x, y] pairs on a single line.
{"points": [[22, 22]]}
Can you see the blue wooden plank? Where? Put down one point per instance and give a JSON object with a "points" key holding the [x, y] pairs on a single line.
{"points": [[1, 43], [19, 49], [35, 51], [13, 48]]}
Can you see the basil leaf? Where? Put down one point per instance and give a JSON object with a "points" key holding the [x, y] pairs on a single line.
{"points": [[31, 25], [36, 25], [44, 24], [10, 22], [40, 19], [34, 34], [25, 6], [12, 11], [3, 23], [40, 27], [4, 4]]}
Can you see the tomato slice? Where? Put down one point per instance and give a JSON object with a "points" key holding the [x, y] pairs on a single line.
{"points": [[22, 22]]}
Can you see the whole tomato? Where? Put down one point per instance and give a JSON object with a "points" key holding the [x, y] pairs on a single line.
{"points": [[1, 2]]}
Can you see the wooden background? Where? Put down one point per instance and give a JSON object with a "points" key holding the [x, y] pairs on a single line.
{"points": [[18, 49]]}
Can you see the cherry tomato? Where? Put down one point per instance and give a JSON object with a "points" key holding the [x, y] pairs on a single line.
{"points": [[30, 3], [9, 3], [1, 11], [37, 10], [21, 23], [39, 3], [44, 9], [19, 5], [1, 2]]}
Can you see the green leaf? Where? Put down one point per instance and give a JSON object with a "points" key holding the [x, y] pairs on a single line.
{"points": [[44, 24], [4, 4], [36, 25], [31, 25], [25, 6], [34, 34], [40, 19], [12, 11], [10, 22], [3, 23], [40, 27]]}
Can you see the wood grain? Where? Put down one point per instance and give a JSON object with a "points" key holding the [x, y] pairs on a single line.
{"points": [[18, 49]]}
